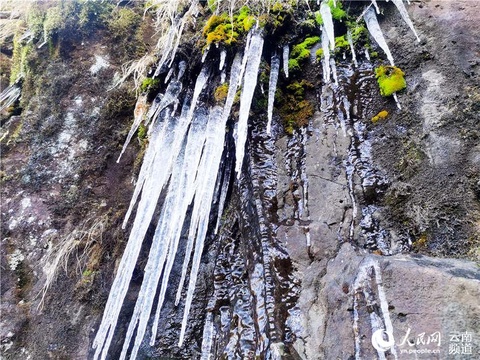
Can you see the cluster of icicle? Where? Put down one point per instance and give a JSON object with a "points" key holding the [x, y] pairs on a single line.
{"points": [[182, 160]]}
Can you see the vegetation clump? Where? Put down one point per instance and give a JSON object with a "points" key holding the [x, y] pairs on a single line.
{"points": [[149, 85], [222, 29], [390, 79], [301, 52], [294, 109], [380, 116], [221, 93]]}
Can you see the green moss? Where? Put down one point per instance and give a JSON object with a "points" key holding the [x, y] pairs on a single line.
{"points": [[319, 53], [358, 31], [390, 79], [301, 52], [221, 93], [54, 21], [341, 42], [19, 66], [212, 5], [294, 109], [219, 30], [149, 84], [244, 20], [337, 10], [142, 133], [318, 18]]}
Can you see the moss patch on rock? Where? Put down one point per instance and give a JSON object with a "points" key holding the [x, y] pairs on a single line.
{"points": [[390, 79]]}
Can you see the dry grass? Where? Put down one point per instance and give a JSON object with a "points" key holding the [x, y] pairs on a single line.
{"points": [[78, 243]]}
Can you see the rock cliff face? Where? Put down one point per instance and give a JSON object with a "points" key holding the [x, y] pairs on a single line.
{"points": [[337, 230]]}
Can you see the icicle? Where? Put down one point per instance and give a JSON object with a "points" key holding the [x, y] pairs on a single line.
{"points": [[167, 138], [9, 96], [169, 75], [326, 57], [272, 88], [352, 48], [374, 2], [223, 196], [334, 70], [376, 32], [403, 12], [253, 56], [367, 54], [170, 97], [396, 100], [183, 193], [139, 112], [286, 51], [205, 53], [223, 56], [328, 24], [181, 69]]}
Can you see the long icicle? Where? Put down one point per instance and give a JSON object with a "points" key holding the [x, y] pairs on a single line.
{"points": [[403, 12], [253, 56], [376, 32], [286, 54], [328, 23], [272, 88]]}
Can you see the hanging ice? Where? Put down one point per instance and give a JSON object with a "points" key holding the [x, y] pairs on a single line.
{"points": [[253, 56], [374, 2], [223, 56], [235, 74], [376, 32], [326, 56], [328, 23], [167, 234], [272, 88], [403, 12], [352, 48], [206, 178], [166, 143], [286, 54]]}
